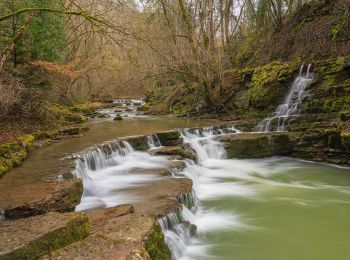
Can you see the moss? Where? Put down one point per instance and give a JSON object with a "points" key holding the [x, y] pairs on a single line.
{"points": [[345, 137], [86, 107], [46, 135], [267, 85], [155, 244], [19, 157], [280, 144], [75, 230], [26, 141]]}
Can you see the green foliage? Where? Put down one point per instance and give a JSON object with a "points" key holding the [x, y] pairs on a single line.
{"points": [[44, 35], [267, 85]]}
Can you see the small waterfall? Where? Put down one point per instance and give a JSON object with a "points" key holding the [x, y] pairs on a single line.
{"points": [[153, 141], [291, 106], [177, 226], [180, 227], [101, 157]]}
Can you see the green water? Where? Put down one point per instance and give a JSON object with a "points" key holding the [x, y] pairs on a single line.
{"points": [[299, 211]]}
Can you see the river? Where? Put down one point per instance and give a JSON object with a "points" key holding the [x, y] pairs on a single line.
{"points": [[273, 208]]}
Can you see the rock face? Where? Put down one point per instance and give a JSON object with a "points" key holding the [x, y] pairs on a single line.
{"points": [[119, 233], [330, 145], [31, 238], [41, 197], [256, 145], [170, 138]]}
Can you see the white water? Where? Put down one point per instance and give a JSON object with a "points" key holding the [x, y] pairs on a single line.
{"points": [[107, 171], [291, 105], [127, 108], [215, 178]]}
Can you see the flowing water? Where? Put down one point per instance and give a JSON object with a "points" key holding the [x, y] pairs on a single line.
{"points": [[291, 106], [275, 208]]}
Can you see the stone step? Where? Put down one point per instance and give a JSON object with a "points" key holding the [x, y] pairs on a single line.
{"points": [[41, 197], [33, 237]]}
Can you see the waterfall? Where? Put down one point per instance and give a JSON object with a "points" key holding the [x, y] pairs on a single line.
{"points": [[107, 171], [153, 141], [179, 228], [291, 105]]}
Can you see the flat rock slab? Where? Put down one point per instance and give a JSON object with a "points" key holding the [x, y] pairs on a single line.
{"points": [[160, 198], [174, 151], [41, 197], [30, 238], [118, 233]]}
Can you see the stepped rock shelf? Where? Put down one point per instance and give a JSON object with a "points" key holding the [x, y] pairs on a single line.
{"points": [[131, 231]]}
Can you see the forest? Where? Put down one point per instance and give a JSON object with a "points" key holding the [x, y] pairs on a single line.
{"points": [[174, 129]]}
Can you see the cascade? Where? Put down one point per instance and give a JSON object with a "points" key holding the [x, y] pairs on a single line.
{"points": [[291, 106], [106, 172], [153, 141], [178, 227]]}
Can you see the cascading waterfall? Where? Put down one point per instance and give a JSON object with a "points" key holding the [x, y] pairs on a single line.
{"points": [[291, 106], [107, 170], [179, 227], [153, 141]]}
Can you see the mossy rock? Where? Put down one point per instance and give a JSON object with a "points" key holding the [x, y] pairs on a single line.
{"points": [[268, 84], [138, 142], [170, 138], [31, 238], [118, 118], [246, 146], [280, 144], [345, 138], [155, 244]]}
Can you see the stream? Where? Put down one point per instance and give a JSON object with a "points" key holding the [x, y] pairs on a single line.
{"points": [[272, 208]]}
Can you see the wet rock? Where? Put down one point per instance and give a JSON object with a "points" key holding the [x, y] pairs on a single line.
{"points": [[138, 142], [279, 144], [42, 197], [118, 118], [174, 150], [244, 146], [33, 237], [118, 233], [170, 138]]}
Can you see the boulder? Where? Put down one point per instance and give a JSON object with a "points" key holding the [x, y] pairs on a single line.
{"points": [[42, 197], [31, 238], [138, 142], [176, 151], [118, 118], [170, 138]]}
